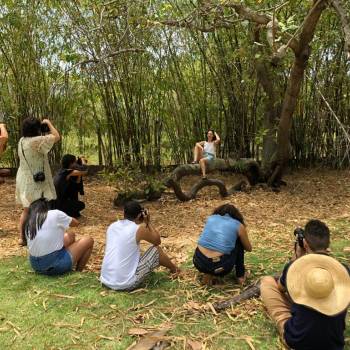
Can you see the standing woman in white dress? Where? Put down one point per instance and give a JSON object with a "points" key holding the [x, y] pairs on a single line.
{"points": [[34, 178], [205, 151]]}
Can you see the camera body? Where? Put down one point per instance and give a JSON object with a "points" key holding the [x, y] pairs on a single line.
{"points": [[144, 213], [299, 234], [44, 128], [39, 176]]}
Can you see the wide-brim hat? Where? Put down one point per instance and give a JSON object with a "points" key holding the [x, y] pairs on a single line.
{"points": [[319, 282]]}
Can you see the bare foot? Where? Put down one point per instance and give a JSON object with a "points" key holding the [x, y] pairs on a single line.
{"points": [[208, 280], [242, 280], [176, 273]]}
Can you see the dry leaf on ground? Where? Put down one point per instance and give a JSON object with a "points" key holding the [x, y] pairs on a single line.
{"points": [[151, 340], [194, 345]]}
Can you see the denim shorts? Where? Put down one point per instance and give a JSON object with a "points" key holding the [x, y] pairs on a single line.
{"points": [[209, 156], [55, 263]]}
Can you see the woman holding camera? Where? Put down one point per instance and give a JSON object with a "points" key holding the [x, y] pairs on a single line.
{"points": [[34, 179], [222, 244], [52, 251]]}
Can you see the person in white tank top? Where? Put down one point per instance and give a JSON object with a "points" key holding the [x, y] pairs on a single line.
{"points": [[205, 151], [123, 266]]}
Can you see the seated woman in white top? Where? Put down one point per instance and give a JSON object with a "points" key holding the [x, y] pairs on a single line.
{"points": [[51, 250], [205, 151], [123, 266]]}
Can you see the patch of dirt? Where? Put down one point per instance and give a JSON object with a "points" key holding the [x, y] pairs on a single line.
{"points": [[271, 217]]}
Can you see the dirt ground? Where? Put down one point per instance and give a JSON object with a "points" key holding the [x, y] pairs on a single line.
{"points": [[270, 217]]}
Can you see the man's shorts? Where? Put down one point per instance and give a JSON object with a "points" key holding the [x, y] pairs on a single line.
{"points": [[148, 262]]}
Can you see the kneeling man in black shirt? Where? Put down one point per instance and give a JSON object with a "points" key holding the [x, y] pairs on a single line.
{"points": [[310, 300], [69, 184]]}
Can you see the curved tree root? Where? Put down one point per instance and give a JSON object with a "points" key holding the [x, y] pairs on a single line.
{"points": [[247, 167]]}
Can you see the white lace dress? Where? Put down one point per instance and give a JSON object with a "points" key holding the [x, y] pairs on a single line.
{"points": [[35, 151]]}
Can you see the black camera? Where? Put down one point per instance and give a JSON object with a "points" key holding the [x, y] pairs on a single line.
{"points": [[144, 212], [39, 176], [44, 128], [299, 235]]}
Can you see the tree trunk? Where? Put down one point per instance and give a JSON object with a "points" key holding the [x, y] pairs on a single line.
{"points": [[302, 54]]}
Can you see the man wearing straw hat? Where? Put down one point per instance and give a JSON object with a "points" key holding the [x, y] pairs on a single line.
{"points": [[310, 300]]}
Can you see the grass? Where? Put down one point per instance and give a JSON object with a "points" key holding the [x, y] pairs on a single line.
{"points": [[75, 312]]}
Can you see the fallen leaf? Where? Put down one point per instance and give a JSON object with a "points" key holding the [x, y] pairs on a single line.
{"points": [[63, 296], [137, 331], [150, 340], [194, 344]]}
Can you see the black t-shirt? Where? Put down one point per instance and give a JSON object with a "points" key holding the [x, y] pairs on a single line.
{"points": [[67, 189], [308, 329]]}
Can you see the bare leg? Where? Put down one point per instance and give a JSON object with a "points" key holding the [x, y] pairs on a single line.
{"points": [[198, 153], [203, 164], [81, 251], [165, 261], [69, 239], [22, 238]]}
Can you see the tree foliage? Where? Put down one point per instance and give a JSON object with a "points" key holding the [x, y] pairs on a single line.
{"points": [[135, 81]]}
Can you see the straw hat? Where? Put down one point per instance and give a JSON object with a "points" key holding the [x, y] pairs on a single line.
{"points": [[319, 282]]}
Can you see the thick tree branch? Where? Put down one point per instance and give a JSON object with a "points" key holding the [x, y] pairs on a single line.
{"points": [[310, 23], [345, 22], [247, 13]]}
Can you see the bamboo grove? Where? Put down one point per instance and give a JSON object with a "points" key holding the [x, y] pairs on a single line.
{"points": [[123, 84]]}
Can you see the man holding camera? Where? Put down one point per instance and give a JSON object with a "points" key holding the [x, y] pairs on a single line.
{"points": [[310, 300], [69, 184], [123, 266]]}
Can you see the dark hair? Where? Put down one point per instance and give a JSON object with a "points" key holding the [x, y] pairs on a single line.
{"points": [[31, 127], [317, 235], [230, 210], [214, 136], [131, 210], [36, 217], [67, 160]]}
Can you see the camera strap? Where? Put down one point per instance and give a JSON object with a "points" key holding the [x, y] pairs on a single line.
{"points": [[25, 158]]}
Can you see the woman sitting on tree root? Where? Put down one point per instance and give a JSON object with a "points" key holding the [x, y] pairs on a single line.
{"points": [[221, 245], [205, 151]]}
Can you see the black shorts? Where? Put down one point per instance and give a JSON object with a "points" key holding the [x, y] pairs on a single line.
{"points": [[222, 265]]}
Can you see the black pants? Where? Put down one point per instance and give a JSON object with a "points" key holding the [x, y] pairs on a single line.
{"points": [[71, 207], [70, 203], [224, 264]]}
